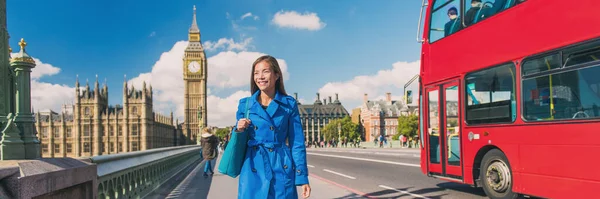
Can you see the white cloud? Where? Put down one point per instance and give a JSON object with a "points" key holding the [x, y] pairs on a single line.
{"points": [[41, 69], [249, 15], [351, 92], [227, 44], [47, 95], [293, 19], [221, 111], [152, 34], [227, 70], [50, 96], [231, 69]]}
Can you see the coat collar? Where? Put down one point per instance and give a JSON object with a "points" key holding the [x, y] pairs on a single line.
{"points": [[271, 109]]}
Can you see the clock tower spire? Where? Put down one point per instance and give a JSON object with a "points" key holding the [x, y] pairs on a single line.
{"points": [[195, 75]]}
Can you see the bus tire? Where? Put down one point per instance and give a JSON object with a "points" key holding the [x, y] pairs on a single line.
{"points": [[496, 176]]}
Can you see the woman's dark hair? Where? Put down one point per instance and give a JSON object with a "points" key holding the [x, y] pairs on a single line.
{"points": [[274, 66]]}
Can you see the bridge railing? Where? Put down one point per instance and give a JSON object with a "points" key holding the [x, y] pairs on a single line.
{"points": [[137, 174]]}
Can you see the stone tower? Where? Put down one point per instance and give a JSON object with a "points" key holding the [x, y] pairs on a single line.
{"points": [[194, 77], [88, 111]]}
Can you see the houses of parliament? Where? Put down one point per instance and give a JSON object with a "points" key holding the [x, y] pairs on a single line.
{"points": [[91, 126]]}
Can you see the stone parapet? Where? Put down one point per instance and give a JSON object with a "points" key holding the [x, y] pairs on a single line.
{"points": [[48, 178]]}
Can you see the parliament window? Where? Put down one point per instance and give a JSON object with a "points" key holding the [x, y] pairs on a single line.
{"points": [[86, 147], [69, 132], [86, 130], [134, 146], [111, 130], [56, 132], [44, 148], [69, 148], [56, 148], [134, 129], [44, 132]]}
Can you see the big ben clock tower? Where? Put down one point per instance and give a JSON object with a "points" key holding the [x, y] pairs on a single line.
{"points": [[194, 77]]}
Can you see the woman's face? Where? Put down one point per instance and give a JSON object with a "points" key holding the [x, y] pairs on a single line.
{"points": [[264, 77]]}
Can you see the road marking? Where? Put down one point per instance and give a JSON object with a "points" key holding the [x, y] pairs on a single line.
{"points": [[340, 174], [404, 192], [341, 186], [311, 166], [365, 159]]}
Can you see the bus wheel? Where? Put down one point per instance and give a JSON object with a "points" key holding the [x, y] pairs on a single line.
{"points": [[496, 175]]}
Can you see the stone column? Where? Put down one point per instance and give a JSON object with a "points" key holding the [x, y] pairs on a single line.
{"points": [[22, 64], [319, 129], [312, 131], [5, 84], [306, 129]]}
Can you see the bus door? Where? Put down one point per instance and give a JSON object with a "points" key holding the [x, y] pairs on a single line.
{"points": [[443, 130]]}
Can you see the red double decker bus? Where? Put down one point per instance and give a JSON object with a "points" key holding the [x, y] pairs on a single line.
{"points": [[510, 96]]}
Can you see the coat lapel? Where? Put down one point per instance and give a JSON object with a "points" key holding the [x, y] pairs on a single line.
{"points": [[274, 105], [256, 108]]}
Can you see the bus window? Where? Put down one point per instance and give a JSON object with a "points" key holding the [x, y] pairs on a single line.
{"points": [[546, 63], [445, 19], [477, 10], [490, 95], [433, 128], [569, 94]]}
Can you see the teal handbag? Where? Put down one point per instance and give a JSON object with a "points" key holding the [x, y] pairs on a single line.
{"points": [[235, 152]]}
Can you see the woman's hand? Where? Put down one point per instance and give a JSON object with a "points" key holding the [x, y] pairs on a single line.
{"points": [[242, 124], [306, 191]]}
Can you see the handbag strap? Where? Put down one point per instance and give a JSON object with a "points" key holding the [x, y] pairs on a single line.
{"points": [[247, 107]]}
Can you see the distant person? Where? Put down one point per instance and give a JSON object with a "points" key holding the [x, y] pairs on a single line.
{"points": [[271, 168], [454, 24], [476, 13], [210, 143]]}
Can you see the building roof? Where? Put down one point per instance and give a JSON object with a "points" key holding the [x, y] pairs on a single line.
{"points": [[391, 108], [319, 108]]}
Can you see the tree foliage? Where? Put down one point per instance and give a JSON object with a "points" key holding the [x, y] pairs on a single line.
{"points": [[222, 132], [349, 130], [407, 126]]}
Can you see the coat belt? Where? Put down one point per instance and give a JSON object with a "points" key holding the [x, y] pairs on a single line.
{"points": [[262, 147]]}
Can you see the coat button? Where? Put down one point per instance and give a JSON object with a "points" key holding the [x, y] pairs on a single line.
{"points": [[253, 170], [298, 171], [272, 128], [255, 127], [284, 166], [270, 150]]}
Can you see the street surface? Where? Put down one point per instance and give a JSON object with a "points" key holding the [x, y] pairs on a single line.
{"points": [[341, 173]]}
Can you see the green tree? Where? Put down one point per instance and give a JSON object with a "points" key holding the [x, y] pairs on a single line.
{"points": [[348, 128], [222, 132], [407, 126]]}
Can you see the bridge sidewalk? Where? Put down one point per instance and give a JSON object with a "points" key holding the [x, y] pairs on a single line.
{"points": [[195, 185]]}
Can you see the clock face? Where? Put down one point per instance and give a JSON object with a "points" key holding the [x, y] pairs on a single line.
{"points": [[194, 67]]}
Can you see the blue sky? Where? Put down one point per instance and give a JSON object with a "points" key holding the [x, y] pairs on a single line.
{"points": [[356, 46]]}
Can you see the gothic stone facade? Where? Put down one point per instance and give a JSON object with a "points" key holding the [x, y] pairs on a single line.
{"points": [[91, 127], [315, 116]]}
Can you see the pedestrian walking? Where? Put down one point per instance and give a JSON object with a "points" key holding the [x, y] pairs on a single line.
{"points": [[271, 168], [210, 143]]}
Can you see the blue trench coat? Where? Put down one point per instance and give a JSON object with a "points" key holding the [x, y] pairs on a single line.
{"points": [[272, 169]]}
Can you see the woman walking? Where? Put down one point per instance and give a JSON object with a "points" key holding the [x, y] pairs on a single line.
{"points": [[209, 149], [271, 168]]}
